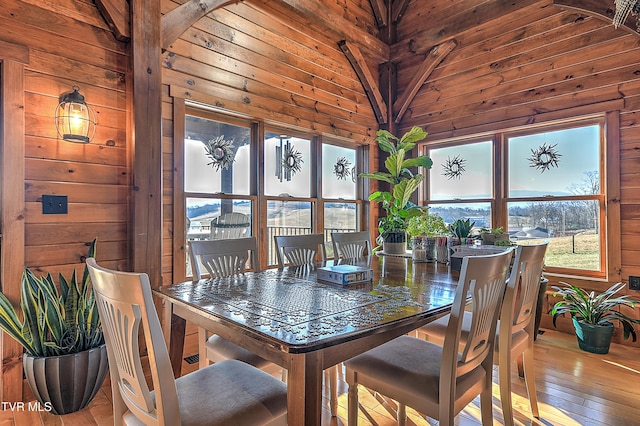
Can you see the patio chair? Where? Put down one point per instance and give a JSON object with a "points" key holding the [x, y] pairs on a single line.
{"points": [[440, 381], [230, 392], [230, 226], [351, 245], [299, 250], [222, 258], [516, 327]]}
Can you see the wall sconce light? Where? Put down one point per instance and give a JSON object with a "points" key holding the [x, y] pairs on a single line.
{"points": [[75, 120]]}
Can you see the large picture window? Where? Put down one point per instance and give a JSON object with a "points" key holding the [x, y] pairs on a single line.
{"points": [[539, 184]]}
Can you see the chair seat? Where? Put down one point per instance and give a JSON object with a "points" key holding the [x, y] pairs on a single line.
{"points": [[219, 349], [230, 393], [408, 369], [437, 329]]}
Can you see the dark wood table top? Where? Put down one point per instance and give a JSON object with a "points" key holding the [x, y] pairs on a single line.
{"points": [[290, 308]]}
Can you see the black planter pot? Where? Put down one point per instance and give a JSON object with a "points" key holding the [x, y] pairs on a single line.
{"points": [[593, 338], [395, 242], [66, 383]]}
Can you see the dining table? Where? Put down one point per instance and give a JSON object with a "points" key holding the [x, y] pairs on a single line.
{"points": [[306, 325]]}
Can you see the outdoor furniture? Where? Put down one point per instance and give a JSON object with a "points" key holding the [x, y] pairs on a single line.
{"points": [[286, 316], [440, 381], [350, 245], [515, 329], [230, 226], [229, 392]]}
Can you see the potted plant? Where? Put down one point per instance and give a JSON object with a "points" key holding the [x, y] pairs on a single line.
{"points": [[592, 315], [427, 226], [403, 183], [65, 360], [493, 235], [461, 229]]}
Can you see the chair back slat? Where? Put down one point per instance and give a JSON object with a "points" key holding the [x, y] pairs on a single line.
{"points": [[222, 258], [351, 245], [125, 303], [299, 250], [521, 295]]}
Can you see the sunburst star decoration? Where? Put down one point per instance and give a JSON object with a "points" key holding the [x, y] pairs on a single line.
{"points": [[624, 8], [454, 167], [544, 157], [341, 168], [220, 151], [291, 160]]}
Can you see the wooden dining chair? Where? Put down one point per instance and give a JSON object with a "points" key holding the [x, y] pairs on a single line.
{"points": [[229, 392], [351, 245], [440, 381], [223, 258], [299, 250], [302, 250], [515, 329]]}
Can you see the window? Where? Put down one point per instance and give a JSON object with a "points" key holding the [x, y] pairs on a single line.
{"points": [[540, 183]]}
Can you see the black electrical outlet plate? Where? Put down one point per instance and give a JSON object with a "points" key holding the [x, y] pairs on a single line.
{"points": [[54, 204], [634, 282]]}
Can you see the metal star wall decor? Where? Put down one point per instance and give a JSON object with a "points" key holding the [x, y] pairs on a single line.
{"points": [[544, 157], [291, 160], [220, 151], [454, 167], [341, 168]]}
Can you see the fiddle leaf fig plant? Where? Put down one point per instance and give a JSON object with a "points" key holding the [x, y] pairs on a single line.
{"points": [[396, 202]]}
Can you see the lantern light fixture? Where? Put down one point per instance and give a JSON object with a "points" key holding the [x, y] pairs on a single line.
{"points": [[75, 120]]}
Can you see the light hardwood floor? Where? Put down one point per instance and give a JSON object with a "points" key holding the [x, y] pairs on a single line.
{"points": [[574, 388]]}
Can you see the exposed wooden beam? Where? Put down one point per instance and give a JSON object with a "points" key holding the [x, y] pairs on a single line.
{"points": [[604, 10], [369, 84], [398, 8], [380, 12], [146, 110], [176, 22], [116, 14], [12, 206], [434, 57]]}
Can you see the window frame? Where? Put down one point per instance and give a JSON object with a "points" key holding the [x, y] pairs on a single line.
{"points": [[608, 198]]}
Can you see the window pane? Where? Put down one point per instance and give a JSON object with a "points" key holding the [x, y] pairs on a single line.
{"points": [[287, 165], [553, 163], [286, 218], [572, 228], [216, 157], [339, 217], [461, 172], [216, 219], [339, 173], [480, 213]]}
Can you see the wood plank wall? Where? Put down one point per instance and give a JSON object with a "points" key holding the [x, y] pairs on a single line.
{"points": [[538, 60], [266, 62], [71, 45]]}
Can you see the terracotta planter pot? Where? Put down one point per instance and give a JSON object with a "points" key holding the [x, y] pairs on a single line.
{"points": [[66, 383]]}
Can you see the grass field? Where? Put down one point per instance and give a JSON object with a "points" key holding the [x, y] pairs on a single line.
{"points": [[579, 251]]}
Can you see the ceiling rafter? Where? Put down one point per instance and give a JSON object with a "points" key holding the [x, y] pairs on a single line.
{"points": [[380, 12], [398, 8], [433, 58], [367, 80], [604, 10], [116, 14], [176, 22]]}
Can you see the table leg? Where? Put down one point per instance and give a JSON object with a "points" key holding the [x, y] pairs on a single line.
{"points": [[174, 331], [304, 389]]}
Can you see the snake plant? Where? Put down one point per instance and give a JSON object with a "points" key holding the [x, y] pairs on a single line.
{"points": [[56, 319]]}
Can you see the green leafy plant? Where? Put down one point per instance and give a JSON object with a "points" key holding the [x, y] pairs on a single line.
{"points": [[595, 309], [461, 228], [399, 176], [55, 321], [496, 231], [427, 224]]}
